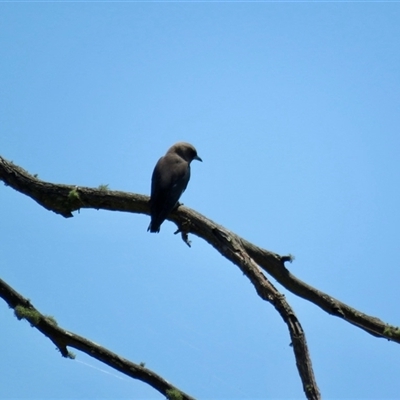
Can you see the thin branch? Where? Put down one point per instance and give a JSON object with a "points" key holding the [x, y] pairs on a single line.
{"points": [[273, 264], [62, 338], [234, 251]]}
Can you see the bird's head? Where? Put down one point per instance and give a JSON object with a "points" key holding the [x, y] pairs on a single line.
{"points": [[186, 151]]}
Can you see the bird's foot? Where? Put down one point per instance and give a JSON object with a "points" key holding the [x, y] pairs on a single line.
{"points": [[184, 236]]}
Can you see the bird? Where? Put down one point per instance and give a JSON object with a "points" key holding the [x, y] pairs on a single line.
{"points": [[169, 180]]}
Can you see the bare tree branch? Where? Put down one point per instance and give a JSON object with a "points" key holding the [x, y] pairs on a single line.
{"points": [[273, 264], [64, 199], [234, 251], [62, 338]]}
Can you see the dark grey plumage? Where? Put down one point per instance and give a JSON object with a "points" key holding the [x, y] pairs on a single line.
{"points": [[169, 180]]}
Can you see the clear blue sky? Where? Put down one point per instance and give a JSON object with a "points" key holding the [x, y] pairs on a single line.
{"points": [[295, 110]]}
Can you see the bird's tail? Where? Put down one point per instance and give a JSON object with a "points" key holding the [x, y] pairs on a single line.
{"points": [[154, 227]]}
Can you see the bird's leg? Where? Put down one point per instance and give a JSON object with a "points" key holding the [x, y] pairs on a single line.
{"points": [[182, 229]]}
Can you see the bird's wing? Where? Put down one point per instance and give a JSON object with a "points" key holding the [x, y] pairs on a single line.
{"points": [[170, 178]]}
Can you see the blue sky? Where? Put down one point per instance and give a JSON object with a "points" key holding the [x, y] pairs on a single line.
{"points": [[294, 109]]}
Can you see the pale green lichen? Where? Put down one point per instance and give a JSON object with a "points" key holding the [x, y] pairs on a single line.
{"points": [[29, 314], [391, 331], [103, 188], [174, 394], [51, 320], [73, 195]]}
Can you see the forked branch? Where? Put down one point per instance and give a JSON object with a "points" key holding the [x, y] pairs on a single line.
{"points": [[65, 199]]}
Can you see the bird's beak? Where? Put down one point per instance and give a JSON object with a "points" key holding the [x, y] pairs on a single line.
{"points": [[198, 158]]}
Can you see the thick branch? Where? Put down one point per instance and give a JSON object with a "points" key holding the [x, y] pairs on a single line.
{"points": [[63, 338], [64, 199]]}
